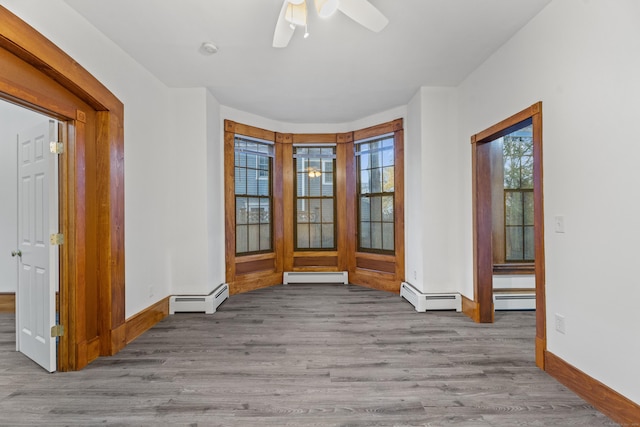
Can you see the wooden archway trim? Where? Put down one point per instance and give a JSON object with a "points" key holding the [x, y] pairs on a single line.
{"points": [[39, 75], [481, 308]]}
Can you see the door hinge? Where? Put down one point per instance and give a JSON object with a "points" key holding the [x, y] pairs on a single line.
{"points": [[57, 239], [56, 147], [57, 331]]}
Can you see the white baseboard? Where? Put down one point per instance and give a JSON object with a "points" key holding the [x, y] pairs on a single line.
{"points": [[514, 301], [315, 277], [430, 301], [199, 303]]}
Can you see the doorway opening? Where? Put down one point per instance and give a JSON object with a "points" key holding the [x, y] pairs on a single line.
{"points": [[481, 309], [40, 76], [29, 220]]}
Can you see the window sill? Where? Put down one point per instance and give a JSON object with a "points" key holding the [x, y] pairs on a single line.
{"points": [[514, 268]]}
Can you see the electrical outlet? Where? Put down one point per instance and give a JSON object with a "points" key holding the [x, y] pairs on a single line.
{"points": [[150, 291], [559, 223], [415, 275], [560, 324]]}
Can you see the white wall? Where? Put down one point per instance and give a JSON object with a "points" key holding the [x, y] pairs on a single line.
{"points": [[13, 119], [215, 191], [440, 180], [431, 180], [580, 58], [188, 226], [414, 202]]}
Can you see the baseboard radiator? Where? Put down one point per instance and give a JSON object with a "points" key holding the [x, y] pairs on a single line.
{"points": [[199, 303], [505, 300], [431, 301], [290, 277]]}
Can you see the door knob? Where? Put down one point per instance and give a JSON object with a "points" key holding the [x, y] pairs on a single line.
{"points": [[16, 253]]}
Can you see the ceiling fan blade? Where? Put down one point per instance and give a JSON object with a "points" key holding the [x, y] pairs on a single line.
{"points": [[364, 13], [283, 32]]}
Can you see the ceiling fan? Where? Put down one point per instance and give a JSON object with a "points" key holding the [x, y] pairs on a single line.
{"points": [[294, 14]]}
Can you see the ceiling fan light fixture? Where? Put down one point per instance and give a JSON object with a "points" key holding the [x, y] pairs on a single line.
{"points": [[296, 2], [326, 8], [296, 14]]}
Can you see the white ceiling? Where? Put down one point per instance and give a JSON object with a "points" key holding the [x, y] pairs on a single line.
{"points": [[341, 73]]}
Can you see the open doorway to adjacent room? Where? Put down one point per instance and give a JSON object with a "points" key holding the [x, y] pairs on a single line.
{"points": [[29, 224], [508, 235]]}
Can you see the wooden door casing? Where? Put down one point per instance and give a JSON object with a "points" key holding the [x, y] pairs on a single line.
{"points": [[38, 75]]}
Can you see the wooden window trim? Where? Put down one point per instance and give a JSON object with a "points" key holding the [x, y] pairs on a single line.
{"points": [[514, 268], [343, 257], [311, 143]]}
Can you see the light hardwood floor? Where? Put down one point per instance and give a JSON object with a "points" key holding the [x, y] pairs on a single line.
{"points": [[301, 355]]}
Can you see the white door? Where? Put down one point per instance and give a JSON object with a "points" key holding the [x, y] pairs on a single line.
{"points": [[38, 259]]}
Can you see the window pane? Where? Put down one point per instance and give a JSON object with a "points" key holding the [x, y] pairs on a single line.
{"points": [[365, 234], [376, 159], [315, 235], [528, 207], [315, 184], [265, 211], [513, 243], [387, 208], [241, 159], [327, 236], [526, 172], [387, 158], [241, 181], [303, 236], [365, 209], [263, 184], [376, 235], [387, 236], [513, 208], [364, 161], [241, 210], [314, 210], [327, 210], [376, 208], [376, 180], [303, 184], [529, 248], [303, 211], [254, 237], [241, 239], [252, 161], [388, 179], [365, 178], [265, 237], [254, 210]]}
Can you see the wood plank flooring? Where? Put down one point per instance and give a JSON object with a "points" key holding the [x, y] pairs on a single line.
{"points": [[303, 355]]}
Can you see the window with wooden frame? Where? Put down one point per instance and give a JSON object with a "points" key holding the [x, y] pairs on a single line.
{"points": [[512, 194], [315, 201], [375, 171], [279, 218], [253, 164], [518, 195]]}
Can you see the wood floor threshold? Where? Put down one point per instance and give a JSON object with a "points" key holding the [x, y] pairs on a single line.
{"points": [[7, 302], [608, 401]]}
